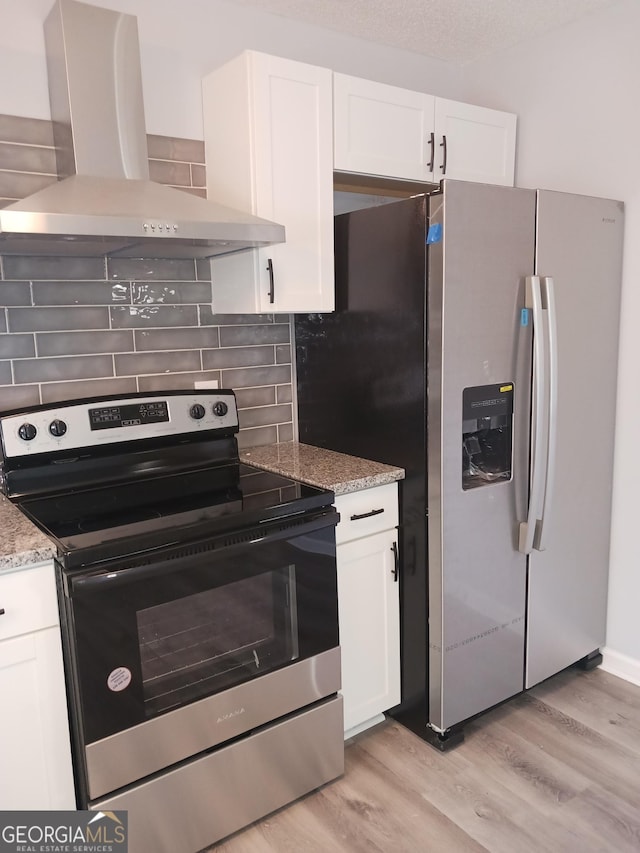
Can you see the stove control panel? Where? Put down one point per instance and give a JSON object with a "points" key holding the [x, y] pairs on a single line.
{"points": [[90, 423], [131, 414]]}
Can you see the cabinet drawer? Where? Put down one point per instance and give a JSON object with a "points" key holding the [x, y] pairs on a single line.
{"points": [[29, 601], [367, 512]]}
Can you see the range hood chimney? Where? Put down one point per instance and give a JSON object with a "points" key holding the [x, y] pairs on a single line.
{"points": [[104, 202]]}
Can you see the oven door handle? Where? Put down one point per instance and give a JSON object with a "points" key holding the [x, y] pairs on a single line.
{"points": [[121, 575]]}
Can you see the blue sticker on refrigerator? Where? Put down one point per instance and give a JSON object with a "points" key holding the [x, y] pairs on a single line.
{"points": [[434, 234]]}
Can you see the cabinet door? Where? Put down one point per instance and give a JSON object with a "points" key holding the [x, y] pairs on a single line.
{"points": [[382, 130], [474, 143], [368, 608], [269, 151], [34, 735]]}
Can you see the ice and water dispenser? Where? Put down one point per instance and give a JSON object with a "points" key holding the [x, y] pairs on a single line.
{"points": [[487, 434]]}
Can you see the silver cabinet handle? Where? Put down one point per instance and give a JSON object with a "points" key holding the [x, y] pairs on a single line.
{"points": [[549, 310], [533, 300]]}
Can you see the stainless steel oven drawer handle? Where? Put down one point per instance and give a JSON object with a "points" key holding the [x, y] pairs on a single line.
{"points": [[369, 514], [111, 577]]}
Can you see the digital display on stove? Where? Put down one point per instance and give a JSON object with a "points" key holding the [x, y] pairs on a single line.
{"points": [[134, 414]]}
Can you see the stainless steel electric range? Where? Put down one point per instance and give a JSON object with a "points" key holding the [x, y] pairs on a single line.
{"points": [[198, 607]]}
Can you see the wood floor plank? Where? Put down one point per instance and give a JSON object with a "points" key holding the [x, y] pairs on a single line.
{"points": [[614, 824], [393, 812], [523, 767], [596, 700], [604, 762], [490, 811], [547, 772]]}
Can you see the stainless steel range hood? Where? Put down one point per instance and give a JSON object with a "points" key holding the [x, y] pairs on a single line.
{"points": [[104, 202]]}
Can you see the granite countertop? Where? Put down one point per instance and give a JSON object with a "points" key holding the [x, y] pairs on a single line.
{"points": [[319, 467], [21, 543]]}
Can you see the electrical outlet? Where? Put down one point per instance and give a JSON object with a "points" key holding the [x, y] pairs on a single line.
{"points": [[205, 384]]}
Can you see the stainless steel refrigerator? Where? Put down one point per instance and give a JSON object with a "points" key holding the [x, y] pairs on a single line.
{"points": [[475, 344]]}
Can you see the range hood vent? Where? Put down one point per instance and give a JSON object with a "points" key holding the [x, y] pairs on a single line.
{"points": [[104, 202]]}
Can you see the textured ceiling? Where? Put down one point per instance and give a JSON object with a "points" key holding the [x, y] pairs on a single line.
{"points": [[451, 30]]}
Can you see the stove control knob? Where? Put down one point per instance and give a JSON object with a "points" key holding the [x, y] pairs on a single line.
{"points": [[27, 432], [220, 409], [57, 428], [197, 411]]}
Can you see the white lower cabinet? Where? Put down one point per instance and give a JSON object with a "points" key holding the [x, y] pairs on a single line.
{"points": [[368, 604], [34, 732]]}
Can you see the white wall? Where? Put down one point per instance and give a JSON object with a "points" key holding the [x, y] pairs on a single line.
{"points": [[576, 92], [182, 41]]}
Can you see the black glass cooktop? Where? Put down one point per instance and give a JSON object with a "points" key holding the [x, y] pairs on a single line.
{"points": [[113, 521]]}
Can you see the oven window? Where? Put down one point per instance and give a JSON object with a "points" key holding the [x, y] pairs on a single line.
{"points": [[145, 640], [206, 642]]}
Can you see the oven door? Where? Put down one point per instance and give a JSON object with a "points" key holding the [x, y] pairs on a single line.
{"points": [[173, 654]]}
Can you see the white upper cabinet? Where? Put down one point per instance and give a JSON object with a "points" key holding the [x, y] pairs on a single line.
{"points": [[474, 143], [396, 133], [381, 130], [269, 151]]}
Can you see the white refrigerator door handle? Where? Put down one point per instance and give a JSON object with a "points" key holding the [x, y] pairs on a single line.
{"points": [[549, 309], [533, 300]]}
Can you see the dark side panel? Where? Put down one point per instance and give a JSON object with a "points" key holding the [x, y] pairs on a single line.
{"points": [[362, 383]]}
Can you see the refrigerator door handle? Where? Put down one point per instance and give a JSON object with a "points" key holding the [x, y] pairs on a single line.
{"points": [[533, 300], [549, 308]]}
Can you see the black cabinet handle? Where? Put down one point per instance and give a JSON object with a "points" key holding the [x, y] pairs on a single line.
{"points": [[366, 514], [1, 611], [396, 561], [271, 286], [443, 145], [432, 145]]}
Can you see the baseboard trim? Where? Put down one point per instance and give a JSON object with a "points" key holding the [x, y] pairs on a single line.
{"points": [[361, 727], [621, 665]]}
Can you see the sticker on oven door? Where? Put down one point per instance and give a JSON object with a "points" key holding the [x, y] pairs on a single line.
{"points": [[119, 679]]}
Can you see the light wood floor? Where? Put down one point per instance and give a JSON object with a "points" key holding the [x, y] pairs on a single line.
{"points": [[557, 769]]}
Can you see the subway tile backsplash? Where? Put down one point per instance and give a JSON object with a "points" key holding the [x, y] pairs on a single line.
{"points": [[157, 269], [80, 343], [77, 293], [80, 327], [26, 131], [65, 269], [153, 316], [52, 319]]}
